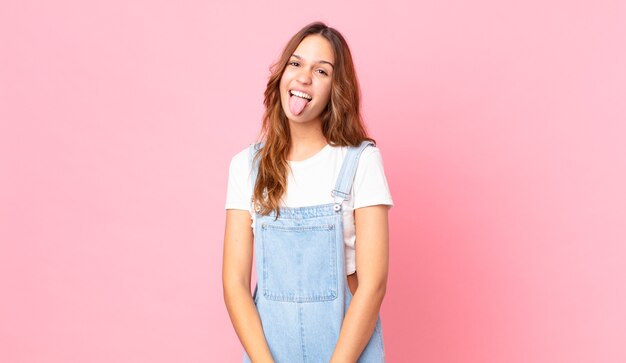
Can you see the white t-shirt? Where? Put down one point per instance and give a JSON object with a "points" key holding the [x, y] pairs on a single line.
{"points": [[311, 183]]}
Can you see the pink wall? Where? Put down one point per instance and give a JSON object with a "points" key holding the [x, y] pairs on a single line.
{"points": [[501, 126]]}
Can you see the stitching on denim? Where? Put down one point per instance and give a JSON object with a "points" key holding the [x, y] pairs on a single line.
{"points": [[302, 344], [324, 227]]}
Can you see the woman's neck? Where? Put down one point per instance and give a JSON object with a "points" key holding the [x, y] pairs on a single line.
{"points": [[307, 139]]}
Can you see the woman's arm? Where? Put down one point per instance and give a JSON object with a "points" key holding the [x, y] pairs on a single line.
{"points": [[372, 260], [236, 273]]}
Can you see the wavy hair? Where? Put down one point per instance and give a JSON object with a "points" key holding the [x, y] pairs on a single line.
{"points": [[342, 123]]}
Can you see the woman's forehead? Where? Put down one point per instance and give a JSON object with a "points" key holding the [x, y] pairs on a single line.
{"points": [[315, 48]]}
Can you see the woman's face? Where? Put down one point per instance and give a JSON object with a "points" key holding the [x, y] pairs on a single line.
{"points": [[309, 74]]}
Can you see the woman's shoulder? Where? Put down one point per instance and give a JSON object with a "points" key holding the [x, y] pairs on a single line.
{"points": [[242, 154], [240, 160], [370, 154]]}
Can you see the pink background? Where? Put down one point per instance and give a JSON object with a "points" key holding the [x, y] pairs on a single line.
{"points": [[502, 127]]}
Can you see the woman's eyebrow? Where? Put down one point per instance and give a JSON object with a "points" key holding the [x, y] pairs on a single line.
{"points": [[319, 61]]}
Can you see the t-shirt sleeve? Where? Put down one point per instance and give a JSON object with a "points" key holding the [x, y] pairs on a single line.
{"points": [[370, 183], [239, 190]]}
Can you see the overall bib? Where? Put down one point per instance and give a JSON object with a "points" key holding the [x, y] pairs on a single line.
{"points": [[302, 294]]}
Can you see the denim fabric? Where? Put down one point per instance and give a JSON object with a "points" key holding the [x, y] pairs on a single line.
{"points": [[302, 294]]}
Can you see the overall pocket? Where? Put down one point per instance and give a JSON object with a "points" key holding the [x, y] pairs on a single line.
{"points": [[299, 262]]}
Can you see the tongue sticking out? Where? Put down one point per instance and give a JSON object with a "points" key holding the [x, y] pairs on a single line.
{"points": [[297, 104]]}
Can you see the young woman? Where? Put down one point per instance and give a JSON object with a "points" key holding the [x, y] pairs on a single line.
{"points": [[316, 192]]}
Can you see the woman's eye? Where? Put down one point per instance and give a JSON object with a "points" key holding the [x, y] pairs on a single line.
{"points": [[297, 64]]}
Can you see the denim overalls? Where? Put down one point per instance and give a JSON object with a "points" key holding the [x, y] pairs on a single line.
{"points": [[302, 294]]}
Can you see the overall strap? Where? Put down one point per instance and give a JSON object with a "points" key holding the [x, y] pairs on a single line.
{"points": [[347, 173], [254, 164]]}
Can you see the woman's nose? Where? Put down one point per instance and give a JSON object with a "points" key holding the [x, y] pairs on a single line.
{"points": [[304, 76]]}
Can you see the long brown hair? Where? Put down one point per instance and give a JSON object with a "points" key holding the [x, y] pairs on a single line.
{"points": [[342, 123]]}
